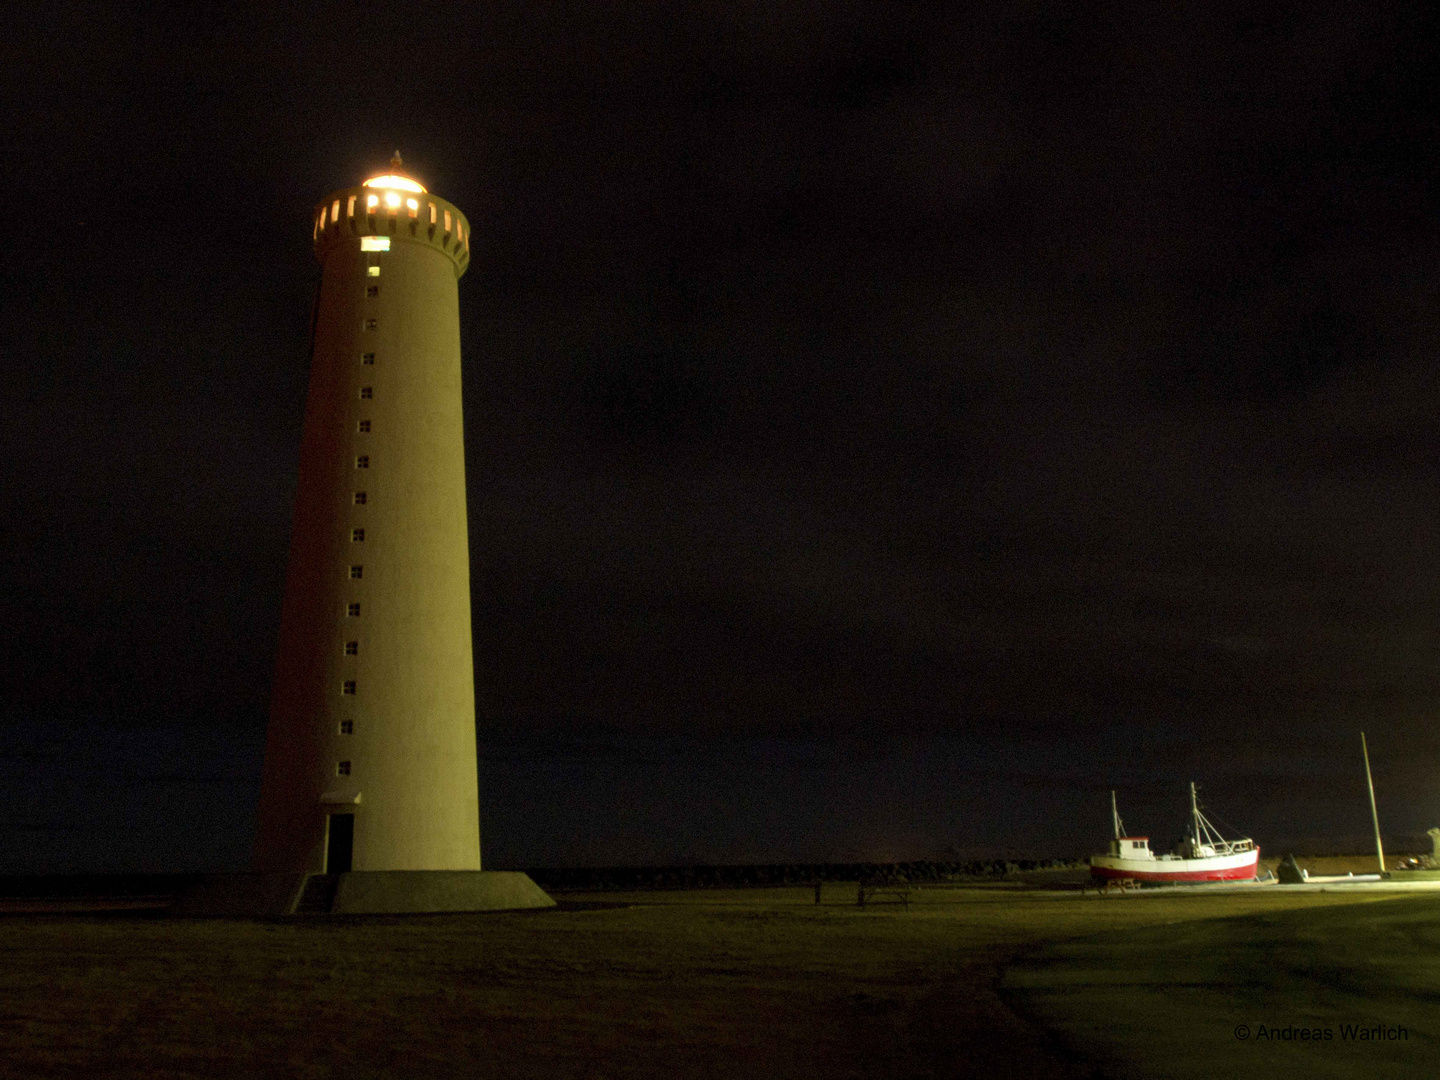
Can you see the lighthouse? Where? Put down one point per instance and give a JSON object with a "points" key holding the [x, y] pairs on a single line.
{"points": [[368, 798]]}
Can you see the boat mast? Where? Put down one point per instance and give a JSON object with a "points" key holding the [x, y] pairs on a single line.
{"points": [[1374, 817], [1115, 813], [1195, 818]]}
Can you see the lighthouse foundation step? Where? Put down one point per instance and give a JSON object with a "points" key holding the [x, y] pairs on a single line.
{"points": [[318, 896], [364, 892]]}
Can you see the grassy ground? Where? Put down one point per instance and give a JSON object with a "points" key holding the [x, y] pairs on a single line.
{"points": [[758, 984], [1232, 997]]}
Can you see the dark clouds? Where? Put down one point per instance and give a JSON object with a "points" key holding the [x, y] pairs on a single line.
{"points": [[1064, 372]]}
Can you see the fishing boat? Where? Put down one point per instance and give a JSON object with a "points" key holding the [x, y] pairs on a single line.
{"points": [[1204, 855]]}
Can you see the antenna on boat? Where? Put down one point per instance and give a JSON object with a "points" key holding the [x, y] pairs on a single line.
{"points": [[1194, 815], [1374, 817], [1115, 813]]}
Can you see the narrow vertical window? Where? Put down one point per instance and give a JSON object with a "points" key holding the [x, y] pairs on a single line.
{"points": [[432, 213], [335, 210], [350, 207], [447, 221]]}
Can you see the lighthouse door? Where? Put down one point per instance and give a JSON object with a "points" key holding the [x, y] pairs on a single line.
{"points": [[340, 846]]}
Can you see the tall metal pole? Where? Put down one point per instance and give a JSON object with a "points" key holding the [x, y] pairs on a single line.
{"points": [[1195, 818], [1374, 817], [1115, 813]]}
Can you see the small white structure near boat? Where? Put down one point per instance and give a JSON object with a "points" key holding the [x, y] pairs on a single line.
{"points": [[1204, 855]]}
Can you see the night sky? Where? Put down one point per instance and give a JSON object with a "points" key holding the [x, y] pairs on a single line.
{"points": [[889, 427]]}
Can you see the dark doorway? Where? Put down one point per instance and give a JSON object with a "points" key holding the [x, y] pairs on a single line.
{"points": [[341, 848]]}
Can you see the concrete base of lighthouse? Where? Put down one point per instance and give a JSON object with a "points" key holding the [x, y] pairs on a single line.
{"points": [[373, 892]]}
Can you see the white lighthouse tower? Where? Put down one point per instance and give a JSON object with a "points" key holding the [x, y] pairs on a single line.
{"points": [[368, 800]]}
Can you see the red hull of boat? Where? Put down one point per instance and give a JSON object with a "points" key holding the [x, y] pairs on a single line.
{"points": [[1234, 873]]}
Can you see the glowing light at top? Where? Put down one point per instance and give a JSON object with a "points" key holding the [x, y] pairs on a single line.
{"points": [[394, 178], [389, 180]]}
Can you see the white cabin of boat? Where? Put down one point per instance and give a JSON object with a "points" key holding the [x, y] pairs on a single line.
{"points": [[1131, 847]]}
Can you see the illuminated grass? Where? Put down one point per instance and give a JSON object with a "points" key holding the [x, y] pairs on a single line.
{"points": [[1168, 1001], [756, 984]]}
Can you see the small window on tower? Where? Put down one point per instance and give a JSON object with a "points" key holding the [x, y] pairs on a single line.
{"points": [[335, 211], [432, 213], [342, 769], [372, 271], [363, 461], [357, 571], [370, 324], [357, 535], [353, 610], [374, 243], [348, 687], [359, 498], [364, 425], [350, 207], [367, 358], [447, 220], [367, 392], [372, 290], [352, 648], [347, 727]]}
